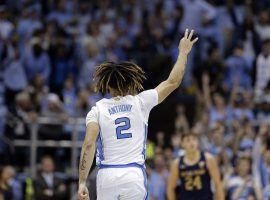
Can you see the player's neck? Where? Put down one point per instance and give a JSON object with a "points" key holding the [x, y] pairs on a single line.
{"points": [[192, 155], [115, 94]]}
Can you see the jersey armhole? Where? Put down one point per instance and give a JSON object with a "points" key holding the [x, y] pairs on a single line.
{"points": [[140, 111]]}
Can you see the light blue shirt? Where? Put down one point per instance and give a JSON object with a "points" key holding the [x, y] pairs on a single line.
{"points": [[14, 76], [157, 186], [27, 26], [194, 10], [238, 68], [37, 65], [61, 17], [16, 189]]}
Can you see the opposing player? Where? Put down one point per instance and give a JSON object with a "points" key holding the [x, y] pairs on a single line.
{"points": [[195, 170], [119, 125]]}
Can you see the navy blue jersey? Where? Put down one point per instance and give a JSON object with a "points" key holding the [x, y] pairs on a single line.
{"points": [[195, 181]]}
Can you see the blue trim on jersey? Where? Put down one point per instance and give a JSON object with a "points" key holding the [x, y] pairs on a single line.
{"points": [[144, 141], [102, 166], [100, 153], [145, 183]]}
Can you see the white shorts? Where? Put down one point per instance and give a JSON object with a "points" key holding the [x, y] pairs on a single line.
{"points": [[127, 183]]}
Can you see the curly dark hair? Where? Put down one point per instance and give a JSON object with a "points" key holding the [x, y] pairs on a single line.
{"points": [[124, 78]]}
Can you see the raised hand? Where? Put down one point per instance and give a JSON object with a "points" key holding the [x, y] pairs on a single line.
{"points": [[186, 43]]}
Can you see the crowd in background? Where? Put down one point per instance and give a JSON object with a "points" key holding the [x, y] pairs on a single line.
{"points": [[49, 51]]}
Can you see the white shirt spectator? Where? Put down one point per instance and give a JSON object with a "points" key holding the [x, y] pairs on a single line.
{"points": [[263, 31], [263, 73], [6, 28], [195, 11]]}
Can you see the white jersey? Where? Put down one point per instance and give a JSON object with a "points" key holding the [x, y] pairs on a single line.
{"points": [[123, 125]]}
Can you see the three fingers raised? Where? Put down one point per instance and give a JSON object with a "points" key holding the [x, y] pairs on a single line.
{"points": [[188, 35]]}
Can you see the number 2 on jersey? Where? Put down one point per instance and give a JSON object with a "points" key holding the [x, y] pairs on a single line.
{"points": [[124, 127]]}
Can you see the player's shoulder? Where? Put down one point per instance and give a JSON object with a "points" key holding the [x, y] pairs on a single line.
{"points": [[174, 164], [210, 159], [148, 97], [176, 161], [208, 156], [92, 115], [146, 93]]}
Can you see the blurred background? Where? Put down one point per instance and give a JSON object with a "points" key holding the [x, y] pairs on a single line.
{"points": [[49, 50]]}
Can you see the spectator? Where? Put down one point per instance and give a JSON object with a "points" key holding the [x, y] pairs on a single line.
{"points": [[262, 69], [160, 139], [130, 24], [8, 177], [181, 123], [228, 19], [218, 144], [175, 142], [3, 114], [261, 159], [242, 107], [5, 190], [61, 68], [6, 27], [53, 111], [93, 96], [264, 172], [213, 66], [158, 178], [36, 61], [61, 14], [263, 25], [87, 70], [237, 70], [54, 108], [19, 115], [69, 97], [201, 127], [241, 185], [28, 23], [83, 16], [92, 36], [14, 71], [114, 52], [82, 104], [48, 185], [244, 138], [196, 12], [39, 92], [106, 26], [218, 110], [250, 38]]}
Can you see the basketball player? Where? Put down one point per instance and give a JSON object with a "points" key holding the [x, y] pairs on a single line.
{"points": [[119, 125], [195, 170]]}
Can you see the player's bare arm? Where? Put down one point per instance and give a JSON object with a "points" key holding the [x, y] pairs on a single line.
{"points": [[215, 176], [173, 81], [172, 180], [87, 156]]}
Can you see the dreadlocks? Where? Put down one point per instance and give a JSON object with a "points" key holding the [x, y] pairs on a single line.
{"points": [[125, 78]]}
